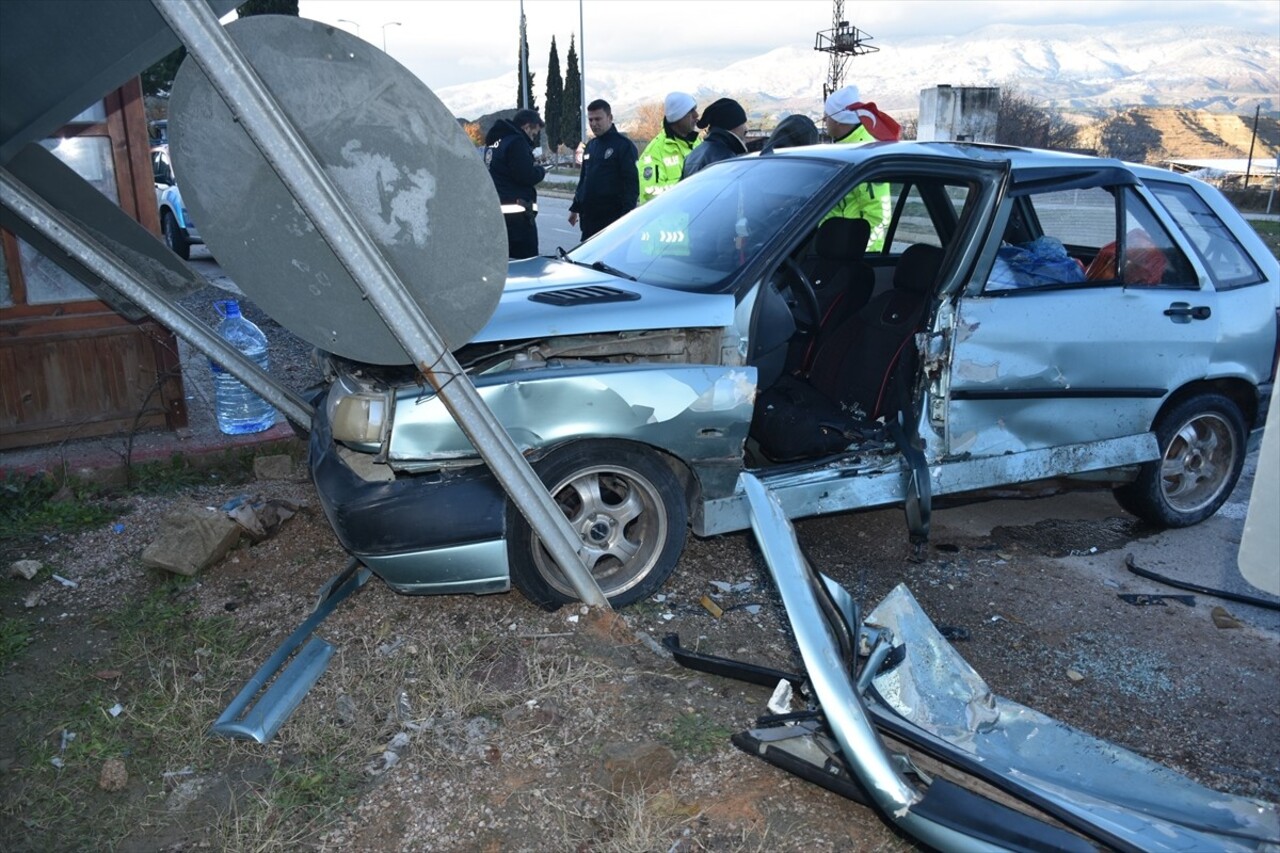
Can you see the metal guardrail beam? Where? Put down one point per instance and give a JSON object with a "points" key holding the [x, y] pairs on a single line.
{"points": [[257, 111]]}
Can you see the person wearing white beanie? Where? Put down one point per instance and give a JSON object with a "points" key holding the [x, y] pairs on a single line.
{"points": [[662, 161], [849, 121], [678, 105]]}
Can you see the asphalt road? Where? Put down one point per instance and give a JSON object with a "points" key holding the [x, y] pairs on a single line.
{"points": [[554, 230]]}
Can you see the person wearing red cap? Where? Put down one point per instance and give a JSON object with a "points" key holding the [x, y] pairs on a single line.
{"points": [[726, 123], [662, 160], [849, 121]]}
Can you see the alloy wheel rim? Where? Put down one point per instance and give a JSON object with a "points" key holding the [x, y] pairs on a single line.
{"points": [[622, 521], [1198, 462]]}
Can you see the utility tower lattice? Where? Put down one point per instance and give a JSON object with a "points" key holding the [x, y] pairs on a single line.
{"points": [[841, 41]]}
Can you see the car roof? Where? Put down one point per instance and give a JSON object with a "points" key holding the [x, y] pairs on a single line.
{"points": [[1020, 159]]}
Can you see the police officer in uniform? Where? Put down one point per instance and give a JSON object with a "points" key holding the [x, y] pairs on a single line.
{"points": [[509, 157], [662, 160], [608, 185]]}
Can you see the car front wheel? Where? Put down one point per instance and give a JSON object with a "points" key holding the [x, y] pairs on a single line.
{"points": [[1202, 444], [174, 237], [627, 506]]}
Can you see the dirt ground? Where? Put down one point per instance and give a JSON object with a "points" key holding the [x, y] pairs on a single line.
{"points": [[485, 723]]}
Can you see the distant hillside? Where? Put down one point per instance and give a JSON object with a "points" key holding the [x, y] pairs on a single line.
{"points": [[1150, 134], [1071, 67]]}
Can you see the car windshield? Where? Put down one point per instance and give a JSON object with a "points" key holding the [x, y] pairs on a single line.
{"points": [[698, 233]]}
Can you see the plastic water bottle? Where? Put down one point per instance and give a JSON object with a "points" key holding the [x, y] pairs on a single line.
{"points": [[239, 410]]}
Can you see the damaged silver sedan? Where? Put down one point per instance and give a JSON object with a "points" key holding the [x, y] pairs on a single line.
{"points": [[1020, 315]]}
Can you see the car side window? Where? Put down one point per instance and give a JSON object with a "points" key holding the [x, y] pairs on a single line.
{"points": [[913, 224], [1086, 236], [1228, 264]]}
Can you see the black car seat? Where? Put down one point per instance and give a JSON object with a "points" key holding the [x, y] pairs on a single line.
{"points": [[867, 362], [863, 369], [842, 281]]}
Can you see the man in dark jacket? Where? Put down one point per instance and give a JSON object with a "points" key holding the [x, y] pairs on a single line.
{"points": [[609, 183], [726, 138], [509, 156]]}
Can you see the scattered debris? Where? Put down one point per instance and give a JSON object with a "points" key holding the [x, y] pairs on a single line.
{"points": [[191, 539], [1223, 619], [711, 607], [107, 674], [259, 518], [780, 701], [390, 756], [1075, 675], [69, 584], [1256, 601], [114, 776], [116, 710], [955, 633], [25, 569], [33, 599], [347, 711]]}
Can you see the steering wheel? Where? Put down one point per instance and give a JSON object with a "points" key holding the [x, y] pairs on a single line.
{"points": [[806, 295]]}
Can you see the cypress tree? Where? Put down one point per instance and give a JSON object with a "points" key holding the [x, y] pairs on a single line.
{"points": [[522, 61], [571, 102], [555, 99]]}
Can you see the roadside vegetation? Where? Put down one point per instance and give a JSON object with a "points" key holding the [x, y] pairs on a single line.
{"points": [[1270, 234]]}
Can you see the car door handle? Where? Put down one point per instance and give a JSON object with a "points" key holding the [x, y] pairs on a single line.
{"points": [[1185, 312]]}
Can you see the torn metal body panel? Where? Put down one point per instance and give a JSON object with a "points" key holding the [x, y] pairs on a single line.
{"points": [[879, 479], [692, 411], [284, 680], [914, 687]]}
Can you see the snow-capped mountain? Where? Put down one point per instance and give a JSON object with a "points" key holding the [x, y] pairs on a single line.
{"points": [[1072, 67]]}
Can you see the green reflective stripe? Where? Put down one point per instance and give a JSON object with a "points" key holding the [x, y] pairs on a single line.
{"points": [[667, 235]]}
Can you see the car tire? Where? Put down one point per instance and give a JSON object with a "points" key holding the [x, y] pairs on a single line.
{"points": [[1202, 448], [628, 507], [174, 237]]}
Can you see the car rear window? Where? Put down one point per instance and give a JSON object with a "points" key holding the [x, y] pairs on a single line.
{"points": [[1229, 265]]}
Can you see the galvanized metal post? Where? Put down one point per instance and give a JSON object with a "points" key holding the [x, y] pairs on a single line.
{"points": [[76, 242], [257, 111]]}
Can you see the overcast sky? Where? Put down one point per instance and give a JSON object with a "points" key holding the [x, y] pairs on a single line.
{"points": [[447, 42]]}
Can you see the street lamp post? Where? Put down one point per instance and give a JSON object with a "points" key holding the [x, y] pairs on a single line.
{"points": [[384, 33], [352, 23]]}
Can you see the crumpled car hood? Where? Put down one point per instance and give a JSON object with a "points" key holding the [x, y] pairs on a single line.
{"points": [[638, 306]]}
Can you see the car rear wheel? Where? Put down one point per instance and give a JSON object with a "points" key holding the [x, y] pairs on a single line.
{"points": [[628, 507], [174, 237], [1202, 444]]}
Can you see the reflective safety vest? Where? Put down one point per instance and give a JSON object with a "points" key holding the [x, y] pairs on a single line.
{"points": [[661, 164], [866, 201]]}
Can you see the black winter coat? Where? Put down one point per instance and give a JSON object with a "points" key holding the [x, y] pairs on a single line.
{"points": [[509, 156], [719, 145], [609, 184]]}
